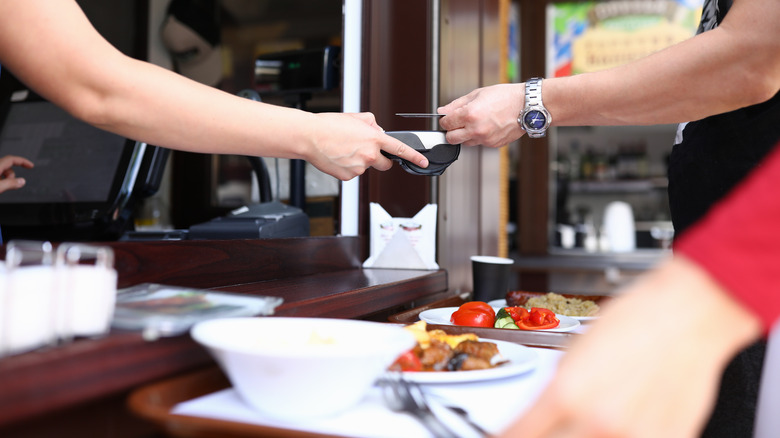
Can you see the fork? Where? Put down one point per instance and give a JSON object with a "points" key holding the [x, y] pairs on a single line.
{"points": [[464, 414], [404, 396]]}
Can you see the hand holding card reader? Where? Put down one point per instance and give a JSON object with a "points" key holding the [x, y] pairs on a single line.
{"points": [[432, 144]]}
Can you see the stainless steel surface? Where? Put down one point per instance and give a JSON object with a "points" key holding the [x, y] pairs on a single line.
{"points": [[531, 338], [561, 259]]}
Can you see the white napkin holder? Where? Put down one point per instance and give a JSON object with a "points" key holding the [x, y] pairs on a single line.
{"points": [[402, 243]]}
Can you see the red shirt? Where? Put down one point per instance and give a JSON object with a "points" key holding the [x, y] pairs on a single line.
{"points": [[738, 241]]}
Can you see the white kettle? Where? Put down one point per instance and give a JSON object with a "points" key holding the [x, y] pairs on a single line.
{"points": [[619, 227]]}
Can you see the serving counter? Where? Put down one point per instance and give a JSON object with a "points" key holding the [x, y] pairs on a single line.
{"points": [[79, 388]]}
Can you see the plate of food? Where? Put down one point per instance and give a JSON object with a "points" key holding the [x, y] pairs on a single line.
{"points": [[582, 308], [443, 358], [442, 316]]}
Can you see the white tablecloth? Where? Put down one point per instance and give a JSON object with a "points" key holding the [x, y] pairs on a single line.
{"points": [[493, 404]]}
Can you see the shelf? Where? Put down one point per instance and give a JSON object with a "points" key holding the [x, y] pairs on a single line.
{"points": [[618, 186]]}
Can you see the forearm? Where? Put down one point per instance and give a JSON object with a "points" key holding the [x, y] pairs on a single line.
{"points": [[689, 299], [721, 70], [732, 66], [171, 111], [77, 69], [674, 328]]}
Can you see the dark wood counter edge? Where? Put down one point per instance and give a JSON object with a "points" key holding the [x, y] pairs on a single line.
{"points": [[86, 370], [219, 263]]}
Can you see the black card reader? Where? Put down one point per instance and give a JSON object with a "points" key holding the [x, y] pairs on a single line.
{"points": [[432, 144]]}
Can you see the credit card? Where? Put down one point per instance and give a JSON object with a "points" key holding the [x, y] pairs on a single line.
{"points": [[419, 115]]}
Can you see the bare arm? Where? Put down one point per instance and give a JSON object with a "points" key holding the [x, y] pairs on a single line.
{"points": [[52, 47], [732, 66], [650, 366]]}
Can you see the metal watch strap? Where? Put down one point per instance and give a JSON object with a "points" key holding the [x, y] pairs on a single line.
{"points": [[533, 104], [533, 92]]}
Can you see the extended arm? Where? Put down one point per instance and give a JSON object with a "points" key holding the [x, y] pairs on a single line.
{"points": [[650, 366], [730, 67], [52, 47]]}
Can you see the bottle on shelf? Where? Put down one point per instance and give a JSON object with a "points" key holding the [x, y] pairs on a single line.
{"points": [[574, 161], [586, 165]]}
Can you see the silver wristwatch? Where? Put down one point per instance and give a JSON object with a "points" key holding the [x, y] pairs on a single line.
{"points": [[534, 119]]}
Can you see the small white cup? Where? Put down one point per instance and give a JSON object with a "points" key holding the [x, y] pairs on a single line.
{"points": [[619, 226], [29, 298], [87, 292]]}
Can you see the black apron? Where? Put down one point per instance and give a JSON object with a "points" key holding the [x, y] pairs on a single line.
{"points": [[713, 156]]}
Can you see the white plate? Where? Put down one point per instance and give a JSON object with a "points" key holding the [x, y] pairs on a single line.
{"points": [[502, 303], [521, 360], [442, 316]]}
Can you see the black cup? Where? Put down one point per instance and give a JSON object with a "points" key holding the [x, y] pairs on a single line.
{"points": [[490, 276]]}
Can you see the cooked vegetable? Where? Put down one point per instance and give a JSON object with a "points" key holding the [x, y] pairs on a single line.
{"points": [[505, 320], [472, 318], [474, 314], [408, 361], [535, 319], [479, 306]]}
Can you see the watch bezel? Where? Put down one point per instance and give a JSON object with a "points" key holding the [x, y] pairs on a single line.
{"points": [[533, 102], [531, 131]]}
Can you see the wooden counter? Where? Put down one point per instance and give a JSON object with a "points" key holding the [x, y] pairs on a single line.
{"points": [[78, 389]]}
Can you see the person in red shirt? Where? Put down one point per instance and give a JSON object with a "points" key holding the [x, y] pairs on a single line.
{"points": [[650, 366]]}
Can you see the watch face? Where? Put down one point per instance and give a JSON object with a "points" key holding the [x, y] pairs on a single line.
{"points": [[535, 119]]}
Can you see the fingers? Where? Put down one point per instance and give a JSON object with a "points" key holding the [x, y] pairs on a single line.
{"points": [[344, 148], [11, 184], [368, 119], [8, 179], [457, 103], [400, 150], [391, 145], [23, 162], [12, 160], [544, 419], [460, 136], [460, 124], [455, 123]]}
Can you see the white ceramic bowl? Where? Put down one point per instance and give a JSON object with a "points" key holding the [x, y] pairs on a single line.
{"points": [[302, 367]]}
